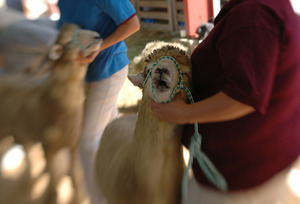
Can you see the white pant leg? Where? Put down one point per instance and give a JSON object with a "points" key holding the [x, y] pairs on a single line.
{"points": [[283, 188], [100, 109]]}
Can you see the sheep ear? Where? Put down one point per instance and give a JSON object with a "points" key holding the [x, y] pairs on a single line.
{"points": [[55, 52], [137, 79]]}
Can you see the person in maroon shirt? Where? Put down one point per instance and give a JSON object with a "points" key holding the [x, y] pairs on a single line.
{"points": [[246, 87]]}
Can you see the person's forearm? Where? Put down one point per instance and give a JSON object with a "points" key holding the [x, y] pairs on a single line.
{"points": [[217, 108], [122, 32]]}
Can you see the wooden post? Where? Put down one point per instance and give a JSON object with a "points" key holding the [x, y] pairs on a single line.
{"points": [[155, 13], [178, 15]]}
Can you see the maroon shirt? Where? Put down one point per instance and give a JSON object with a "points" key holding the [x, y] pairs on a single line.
{"points": [[252, 55]]}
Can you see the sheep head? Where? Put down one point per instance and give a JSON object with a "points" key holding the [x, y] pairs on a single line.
{"points": [[138, 62], [164, 65], [71, 40]]}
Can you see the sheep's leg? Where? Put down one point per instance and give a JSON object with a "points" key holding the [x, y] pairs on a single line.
{"points": [[76, 174], [52, 193], [53, 167]]}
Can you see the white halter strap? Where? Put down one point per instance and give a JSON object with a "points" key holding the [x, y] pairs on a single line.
{"points": [[76, 41]]}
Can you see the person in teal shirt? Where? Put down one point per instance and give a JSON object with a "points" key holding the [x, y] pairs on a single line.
{"points": [[114, 20]]}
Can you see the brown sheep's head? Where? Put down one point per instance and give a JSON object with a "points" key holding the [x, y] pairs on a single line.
{"points": [[71, 40], [161, 74]]}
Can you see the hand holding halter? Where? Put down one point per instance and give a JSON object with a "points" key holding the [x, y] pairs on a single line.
{"points": [[208, 168]]}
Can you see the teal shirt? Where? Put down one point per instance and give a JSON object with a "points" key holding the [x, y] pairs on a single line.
{"points": [[102, 16]]}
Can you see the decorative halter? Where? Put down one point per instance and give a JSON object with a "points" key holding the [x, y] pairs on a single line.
{"points": [[76, 41], [208, 168], [180, 85]]}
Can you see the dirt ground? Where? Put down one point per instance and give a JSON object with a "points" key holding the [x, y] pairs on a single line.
{"points": [[137, 41]]}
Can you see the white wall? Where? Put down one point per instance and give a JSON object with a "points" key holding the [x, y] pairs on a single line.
{"points": [[296, 6], [217, 7]]}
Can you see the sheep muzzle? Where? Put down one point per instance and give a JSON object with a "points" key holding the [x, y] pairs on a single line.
{"points": [[160, 85]]}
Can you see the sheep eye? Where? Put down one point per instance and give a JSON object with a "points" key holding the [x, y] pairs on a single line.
{"points": [[186, 74]]}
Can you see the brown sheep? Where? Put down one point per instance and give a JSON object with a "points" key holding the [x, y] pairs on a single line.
{"points": [[140, 158], [49, 111]]}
